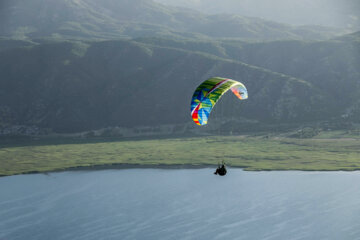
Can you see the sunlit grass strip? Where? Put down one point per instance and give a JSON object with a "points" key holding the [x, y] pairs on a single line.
{"points": [[250, 153]]}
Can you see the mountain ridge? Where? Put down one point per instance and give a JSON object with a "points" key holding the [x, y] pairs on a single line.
{"points": [[123, 19], [130, 87]]}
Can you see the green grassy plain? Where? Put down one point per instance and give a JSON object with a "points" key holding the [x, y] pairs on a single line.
{"points": [[250, 153]]}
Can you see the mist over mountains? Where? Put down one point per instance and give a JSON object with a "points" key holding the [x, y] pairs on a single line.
{"points": [[336, 13], [111, 19], [80, 65]]}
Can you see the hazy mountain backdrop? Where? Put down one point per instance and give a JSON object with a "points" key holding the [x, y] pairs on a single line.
{"points": [[106, 19], [80, 65], [336, 13]]}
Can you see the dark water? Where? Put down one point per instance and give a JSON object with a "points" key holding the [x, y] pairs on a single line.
{"points": [[180, 204]]}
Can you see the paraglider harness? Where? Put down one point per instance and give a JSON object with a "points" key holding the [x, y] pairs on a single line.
{"points": [[221, 170]]}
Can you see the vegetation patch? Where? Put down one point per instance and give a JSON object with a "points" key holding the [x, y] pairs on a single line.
{"points": [[248, 152]]}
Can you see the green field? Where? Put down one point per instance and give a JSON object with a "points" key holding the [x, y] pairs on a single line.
{"points": [[250, 153]]}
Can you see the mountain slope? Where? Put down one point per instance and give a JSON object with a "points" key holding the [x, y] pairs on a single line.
{"points": [[75, 86], [332, 65], [329, 65], [337, 13], [109, 19]]}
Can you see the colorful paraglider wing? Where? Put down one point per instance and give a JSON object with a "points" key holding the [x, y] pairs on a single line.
{"points": [[240, 91], [209, 92]]}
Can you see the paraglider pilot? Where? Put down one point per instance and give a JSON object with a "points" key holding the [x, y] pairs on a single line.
{"points": [[221, 170]]}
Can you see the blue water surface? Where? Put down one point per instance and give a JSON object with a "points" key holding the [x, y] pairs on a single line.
{"points": [[180, 204]]}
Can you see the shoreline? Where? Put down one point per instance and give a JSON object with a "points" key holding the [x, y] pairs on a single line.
{"points": [[124, 166], [119, 166], [249, 154]]}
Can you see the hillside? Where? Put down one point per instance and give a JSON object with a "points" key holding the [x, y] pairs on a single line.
{"points": [[336, 13], [332, 65], [76, 86], [79, 65], [113, 19]]}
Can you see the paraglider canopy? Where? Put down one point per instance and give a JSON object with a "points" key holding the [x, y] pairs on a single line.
{"points": [[209, 92]]}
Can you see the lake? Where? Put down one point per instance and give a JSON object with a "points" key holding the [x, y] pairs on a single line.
{"points": [[180, 204]]}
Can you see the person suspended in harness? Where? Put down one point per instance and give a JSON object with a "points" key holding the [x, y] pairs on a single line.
{"points": [[221, 170]]}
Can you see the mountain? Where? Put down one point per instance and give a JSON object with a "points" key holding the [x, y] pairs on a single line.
{"points": [[335, 13], [113, 19], [77, 86], [79, 65], [331, 65], [6, 43], [355, 37]]}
